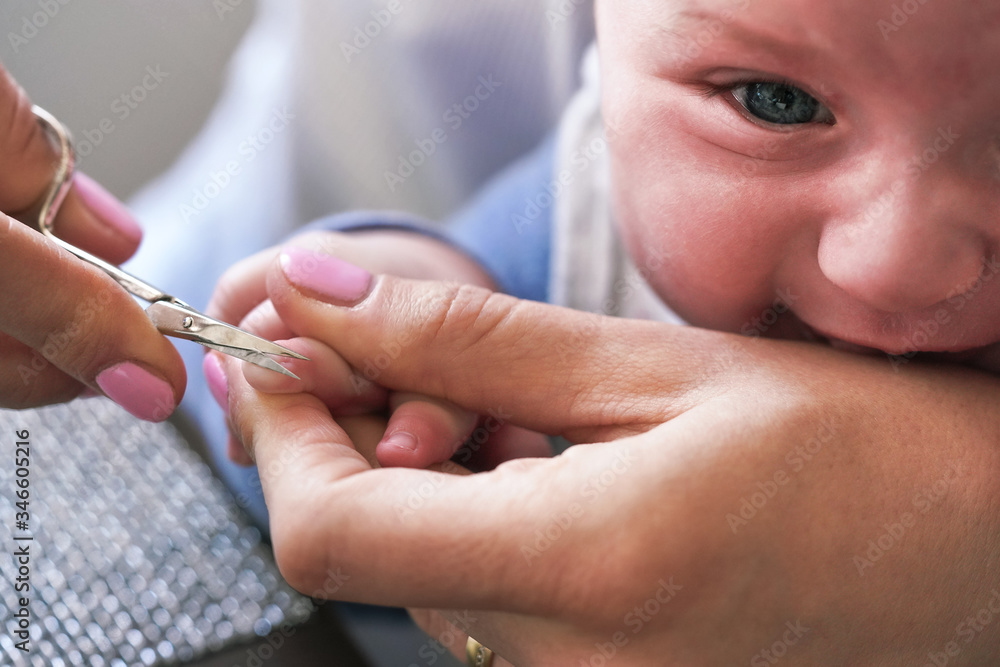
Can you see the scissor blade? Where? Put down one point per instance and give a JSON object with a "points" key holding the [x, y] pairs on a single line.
{"points": [[224, 334], [252, 357], [182, 321]]}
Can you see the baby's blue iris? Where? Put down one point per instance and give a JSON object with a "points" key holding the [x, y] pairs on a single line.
{"points": [[779, 103]]}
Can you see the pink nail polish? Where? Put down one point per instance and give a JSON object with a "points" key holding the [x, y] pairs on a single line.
{"points": [[330, 277], [137, 390], [108, 209], [217, 382]]}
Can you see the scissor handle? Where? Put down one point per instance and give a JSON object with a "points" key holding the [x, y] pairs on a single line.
{"points": [[61, 183]]}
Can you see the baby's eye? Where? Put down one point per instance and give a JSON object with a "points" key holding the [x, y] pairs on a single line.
{"points": [[781, 103]]}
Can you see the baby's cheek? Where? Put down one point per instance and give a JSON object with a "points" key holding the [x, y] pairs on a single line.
{"points": [[704, 246]]}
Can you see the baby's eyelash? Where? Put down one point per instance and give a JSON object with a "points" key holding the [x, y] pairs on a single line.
{"points": [[709, 90]]}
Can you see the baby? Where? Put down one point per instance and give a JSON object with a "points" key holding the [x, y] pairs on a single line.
{"points": [[823, 171]]}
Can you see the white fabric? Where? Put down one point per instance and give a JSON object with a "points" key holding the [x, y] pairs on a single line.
{"points": [[591, 269], [351, 114]]}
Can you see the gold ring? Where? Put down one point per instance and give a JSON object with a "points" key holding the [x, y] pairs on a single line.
{"points": [[477, 654]]}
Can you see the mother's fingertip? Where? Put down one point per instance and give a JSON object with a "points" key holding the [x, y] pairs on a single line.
{"points": [[141, 392], [329, 278]]}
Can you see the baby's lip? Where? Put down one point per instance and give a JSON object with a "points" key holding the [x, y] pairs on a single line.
{"points": [[908, 347]]}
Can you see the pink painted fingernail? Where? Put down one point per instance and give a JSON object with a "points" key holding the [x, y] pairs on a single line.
{"points": [[107, 208], [217, 382], [330, 277], [401, 440], [143, 394]]}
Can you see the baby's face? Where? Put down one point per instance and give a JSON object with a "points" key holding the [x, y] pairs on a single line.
{"points": [[843, 157]]}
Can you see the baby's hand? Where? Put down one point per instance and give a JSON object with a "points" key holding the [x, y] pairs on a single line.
{"points": [[421, 432]]}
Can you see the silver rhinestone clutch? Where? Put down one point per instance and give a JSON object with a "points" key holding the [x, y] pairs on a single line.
{"points": [[137, 555]]}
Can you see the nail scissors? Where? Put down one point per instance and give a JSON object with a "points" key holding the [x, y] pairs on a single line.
{"points": [[170, 315]]}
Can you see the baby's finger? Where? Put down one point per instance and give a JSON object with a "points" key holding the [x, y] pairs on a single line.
{"points": [[489, 446], [241, 288], [423, 431], [264, 321], [325, 375], [236, 453]]}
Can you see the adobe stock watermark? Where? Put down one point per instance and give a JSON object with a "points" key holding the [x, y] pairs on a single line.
{"points": [[586, 155], [33, 24], [761, 324], [121, 108], [927, 330], [560, 14], [419, 495], [634, 622], [225, 7], [772, 655], [561, 522], [454, 117], [893, 533], [433, 650], [899, 17], [248, 151], [364, 35], [915, 168], [797, 459], [754, 329], [966, 632], [275, 468]]}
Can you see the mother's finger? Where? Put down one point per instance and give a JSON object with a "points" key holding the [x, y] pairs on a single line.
{"points": [[551, 369], [90, 217], [85, 324], [454, 635], [28, 380], [395, 533]]}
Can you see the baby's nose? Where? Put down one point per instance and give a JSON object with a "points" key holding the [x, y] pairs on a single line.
{"points": [[920, 241]]}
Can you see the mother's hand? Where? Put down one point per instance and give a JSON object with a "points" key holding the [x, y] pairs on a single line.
{"points": [[746, 500], [64, 325]]}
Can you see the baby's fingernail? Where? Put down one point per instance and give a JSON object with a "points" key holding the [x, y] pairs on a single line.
{"points": [[108, 209], [401, 440], [328, 276], [217, 382], [137, 390]]}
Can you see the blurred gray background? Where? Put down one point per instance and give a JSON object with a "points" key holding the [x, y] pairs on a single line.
{"points": [[77, 58]]}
